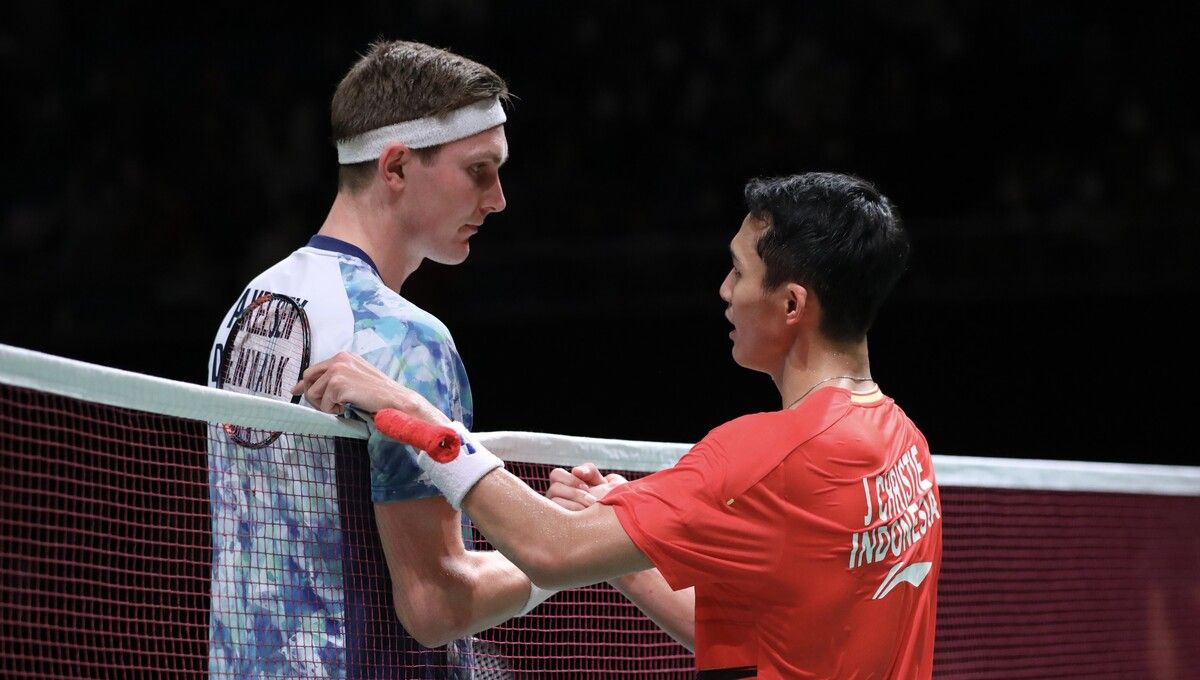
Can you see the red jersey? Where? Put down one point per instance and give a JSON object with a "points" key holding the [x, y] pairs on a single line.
{"points": [[812, 536]]}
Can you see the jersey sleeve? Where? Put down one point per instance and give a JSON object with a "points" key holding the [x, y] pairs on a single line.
{"points": [[682, 521], [426, 364]]}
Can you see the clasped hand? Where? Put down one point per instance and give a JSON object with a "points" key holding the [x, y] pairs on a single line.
{"points": [[582, 487]]}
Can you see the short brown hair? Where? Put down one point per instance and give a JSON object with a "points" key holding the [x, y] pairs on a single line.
{"points": [[397, 81]]}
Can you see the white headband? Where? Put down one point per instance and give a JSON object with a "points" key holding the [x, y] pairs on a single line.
{"points": [[422, 132]]}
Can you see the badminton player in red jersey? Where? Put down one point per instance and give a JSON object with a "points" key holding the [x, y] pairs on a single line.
{"points": [[799, 543]]}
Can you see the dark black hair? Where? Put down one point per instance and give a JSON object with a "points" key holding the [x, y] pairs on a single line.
{"points": [[835, 235]]}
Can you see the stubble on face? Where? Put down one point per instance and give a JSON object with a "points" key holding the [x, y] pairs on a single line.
{"points": [[453, 195]]}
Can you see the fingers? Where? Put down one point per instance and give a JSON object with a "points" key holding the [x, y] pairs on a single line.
{"points": [[313, 388], [565, 485], [321, 394], [343, 378], [330, 383], [311, 375], [331, 394], [320, 369], [614, 479], [568, 490], [588, 473], [561, 476], [574, 496]]}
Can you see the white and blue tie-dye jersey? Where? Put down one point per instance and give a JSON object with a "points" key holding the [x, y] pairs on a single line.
{"points": [[291, 580]]}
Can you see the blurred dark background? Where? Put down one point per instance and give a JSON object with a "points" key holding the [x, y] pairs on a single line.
{"points": [[1044, 155]]}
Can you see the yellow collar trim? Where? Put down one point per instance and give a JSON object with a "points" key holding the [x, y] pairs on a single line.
{"points": [[866, 397]]}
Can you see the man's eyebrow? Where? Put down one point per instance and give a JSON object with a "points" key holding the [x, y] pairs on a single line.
{"points": [[495, 158]]}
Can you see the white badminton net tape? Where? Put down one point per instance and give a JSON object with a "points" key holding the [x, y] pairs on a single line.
{"points": [[422, 133]]}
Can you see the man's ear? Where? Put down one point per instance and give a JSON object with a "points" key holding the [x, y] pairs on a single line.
{"points": [[391, 165], [795, 301]]}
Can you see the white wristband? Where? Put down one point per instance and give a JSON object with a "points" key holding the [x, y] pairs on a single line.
{"points": [[456, 478], [537, 595]]}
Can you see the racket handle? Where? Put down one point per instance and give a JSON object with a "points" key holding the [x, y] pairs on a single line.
{"points": [[439, 441]]}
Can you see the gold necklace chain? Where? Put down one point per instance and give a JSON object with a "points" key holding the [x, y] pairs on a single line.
{"points": [[821, 382]]}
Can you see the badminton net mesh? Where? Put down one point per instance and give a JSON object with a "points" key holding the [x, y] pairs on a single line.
{"points": [[114, 518]]}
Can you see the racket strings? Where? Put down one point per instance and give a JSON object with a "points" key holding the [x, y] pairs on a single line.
{"points": [[265, 354]]}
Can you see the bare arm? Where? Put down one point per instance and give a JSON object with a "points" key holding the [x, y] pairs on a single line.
{"points": [[673, 611], [555, 547], [441, 590]]}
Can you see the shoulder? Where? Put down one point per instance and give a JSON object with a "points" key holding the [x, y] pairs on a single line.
{"points": [[383, 317], [749, 448], [732, 452], [770, 429]]}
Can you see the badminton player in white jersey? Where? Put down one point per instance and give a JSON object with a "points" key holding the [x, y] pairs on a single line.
{"points": [[420, 141]]}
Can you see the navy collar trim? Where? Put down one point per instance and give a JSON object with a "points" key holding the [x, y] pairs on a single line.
{"points": [[340, 246]]}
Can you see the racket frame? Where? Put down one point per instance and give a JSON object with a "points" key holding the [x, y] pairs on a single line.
{"points": [[227, 358]]}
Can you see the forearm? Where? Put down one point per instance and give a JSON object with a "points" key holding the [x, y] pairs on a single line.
{"points": [[496, 590], [441, 590], [473, 592], [672, 610], [556, 548]]}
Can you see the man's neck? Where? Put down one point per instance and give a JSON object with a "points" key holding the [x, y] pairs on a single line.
{"points": [[360, 219], [806, 372]]}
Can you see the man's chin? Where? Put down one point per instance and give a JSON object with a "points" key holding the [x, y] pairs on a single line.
{"points": [[741, 360], [452, 257]]}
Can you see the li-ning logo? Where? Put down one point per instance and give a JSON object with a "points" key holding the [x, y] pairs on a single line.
{"points": [[913, 573]]}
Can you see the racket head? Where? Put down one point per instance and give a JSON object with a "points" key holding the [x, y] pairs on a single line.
{"points": [[265, 354]]}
